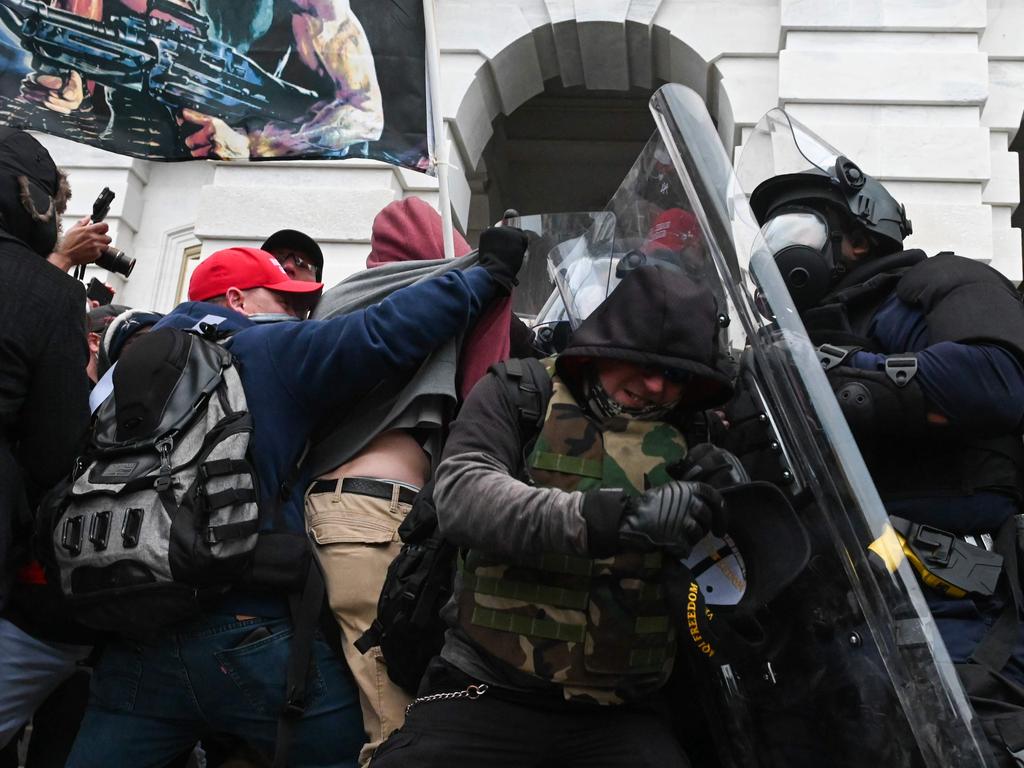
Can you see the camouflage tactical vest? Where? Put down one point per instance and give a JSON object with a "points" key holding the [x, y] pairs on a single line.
{"points": [[599, 628]]}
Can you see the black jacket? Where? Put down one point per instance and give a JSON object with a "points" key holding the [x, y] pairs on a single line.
{"points": [[44, 392]]}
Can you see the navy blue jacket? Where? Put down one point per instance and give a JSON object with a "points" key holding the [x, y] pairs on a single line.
{"points": [[978, 387], [295, 373]]}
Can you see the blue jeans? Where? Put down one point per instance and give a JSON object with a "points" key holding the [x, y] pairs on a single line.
{"points": [[152, 701]]}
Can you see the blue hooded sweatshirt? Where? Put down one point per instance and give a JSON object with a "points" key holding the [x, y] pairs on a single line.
{"points": [[295, 373]]}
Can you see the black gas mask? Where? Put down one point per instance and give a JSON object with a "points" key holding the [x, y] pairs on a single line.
{"points": [[807, 249]]}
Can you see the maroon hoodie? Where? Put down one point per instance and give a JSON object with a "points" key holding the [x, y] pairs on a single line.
{"points": [[410, 230]]}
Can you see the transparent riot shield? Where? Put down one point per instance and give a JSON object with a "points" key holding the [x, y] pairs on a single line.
{"points": [[566, 268], [854, 672], [780, 145], [565, 275]]}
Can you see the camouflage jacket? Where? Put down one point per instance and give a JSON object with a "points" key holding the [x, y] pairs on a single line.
{"points": [[529, 598]]}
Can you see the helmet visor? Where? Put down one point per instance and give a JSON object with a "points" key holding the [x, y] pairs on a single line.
{"points": [[806, 228]]}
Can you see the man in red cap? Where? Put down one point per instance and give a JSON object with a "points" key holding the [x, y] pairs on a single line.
{"points": [[674, 230], [225, 670], [674, 239], [252, 282]]}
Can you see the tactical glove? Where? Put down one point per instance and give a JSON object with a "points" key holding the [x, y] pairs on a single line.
{"points": [[673, 517], [502, 250], [709, 464]]}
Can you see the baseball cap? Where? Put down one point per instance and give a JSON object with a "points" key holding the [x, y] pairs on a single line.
{"points": [[97, 320], [771, 538], [299, 241], [674, 229], [243, 268]]}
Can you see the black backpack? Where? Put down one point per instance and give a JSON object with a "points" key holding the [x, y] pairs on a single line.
{"points": [[409, 628], [162, 513]]}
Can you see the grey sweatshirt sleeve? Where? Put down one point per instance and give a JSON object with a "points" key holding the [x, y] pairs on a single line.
{"points": [[481, 504]]}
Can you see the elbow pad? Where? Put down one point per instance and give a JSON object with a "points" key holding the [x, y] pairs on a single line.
{"points": [[878, 404]]}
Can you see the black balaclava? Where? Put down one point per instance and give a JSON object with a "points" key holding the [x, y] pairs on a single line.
{"points": [[29, 182]]}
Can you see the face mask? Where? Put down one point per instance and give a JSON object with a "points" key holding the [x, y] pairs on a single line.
{"points": [[806, 252], [605, 407]]}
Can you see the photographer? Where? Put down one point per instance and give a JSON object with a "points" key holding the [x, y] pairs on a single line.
{"points": [[82, 244], [43, 403]]}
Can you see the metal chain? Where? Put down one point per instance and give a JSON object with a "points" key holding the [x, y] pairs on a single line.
{"points": [[471, 692]]}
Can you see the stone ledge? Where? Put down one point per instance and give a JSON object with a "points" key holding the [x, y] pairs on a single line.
{"points": [[887, 15], [935, 153], [910, 115], [338, 175], [234, 213], [866, 43], [848, 76]]}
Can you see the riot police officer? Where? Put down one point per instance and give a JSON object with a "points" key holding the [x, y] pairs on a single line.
{"points": [[926, 358]]}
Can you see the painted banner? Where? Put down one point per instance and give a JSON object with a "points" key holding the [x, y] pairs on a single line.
{"points": [[220, 79]]}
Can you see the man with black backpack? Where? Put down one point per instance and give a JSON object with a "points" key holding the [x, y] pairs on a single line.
{"points": [[568, 522], [182, 529]]}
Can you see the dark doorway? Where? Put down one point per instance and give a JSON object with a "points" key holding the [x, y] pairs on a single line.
{"points": [[566, 149]]}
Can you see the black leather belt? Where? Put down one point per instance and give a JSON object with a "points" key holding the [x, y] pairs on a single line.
{"points": [[364, 486]]}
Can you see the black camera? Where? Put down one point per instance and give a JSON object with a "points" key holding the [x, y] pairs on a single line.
{"points": [[112, 259]]}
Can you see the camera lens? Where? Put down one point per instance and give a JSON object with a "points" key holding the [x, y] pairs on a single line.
{"points": [[114, 260]]}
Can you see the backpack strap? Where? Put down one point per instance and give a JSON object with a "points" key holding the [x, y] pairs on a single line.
{"points": [[304, 609], [529, 387], [305, 615]]}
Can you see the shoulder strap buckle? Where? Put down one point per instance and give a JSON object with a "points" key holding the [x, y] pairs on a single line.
{"points": [[830, 355], [901, 369]]}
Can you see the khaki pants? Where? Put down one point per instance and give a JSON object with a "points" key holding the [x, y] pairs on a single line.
{"points": [[356, 539]]}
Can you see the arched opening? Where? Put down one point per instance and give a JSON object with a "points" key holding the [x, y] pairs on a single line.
{"points": [[566, 149], [552, 119]]}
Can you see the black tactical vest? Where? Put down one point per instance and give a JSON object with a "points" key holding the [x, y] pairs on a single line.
{"points": [[951, 465]]}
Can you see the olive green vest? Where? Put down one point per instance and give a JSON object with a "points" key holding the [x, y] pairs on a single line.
{"points": [[600, 628]]}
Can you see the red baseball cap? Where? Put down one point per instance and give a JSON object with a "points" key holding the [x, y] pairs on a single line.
{"points": [[243, 268], [675, 229]]}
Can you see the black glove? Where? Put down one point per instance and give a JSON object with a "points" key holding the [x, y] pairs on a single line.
{"points": [[709, 464], [502, 250], [673, 517]]}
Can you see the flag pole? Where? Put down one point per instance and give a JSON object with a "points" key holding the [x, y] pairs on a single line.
{"points": [[437, 122]]}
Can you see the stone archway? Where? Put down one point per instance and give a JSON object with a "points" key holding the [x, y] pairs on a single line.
{"points": [[620, 51]]}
